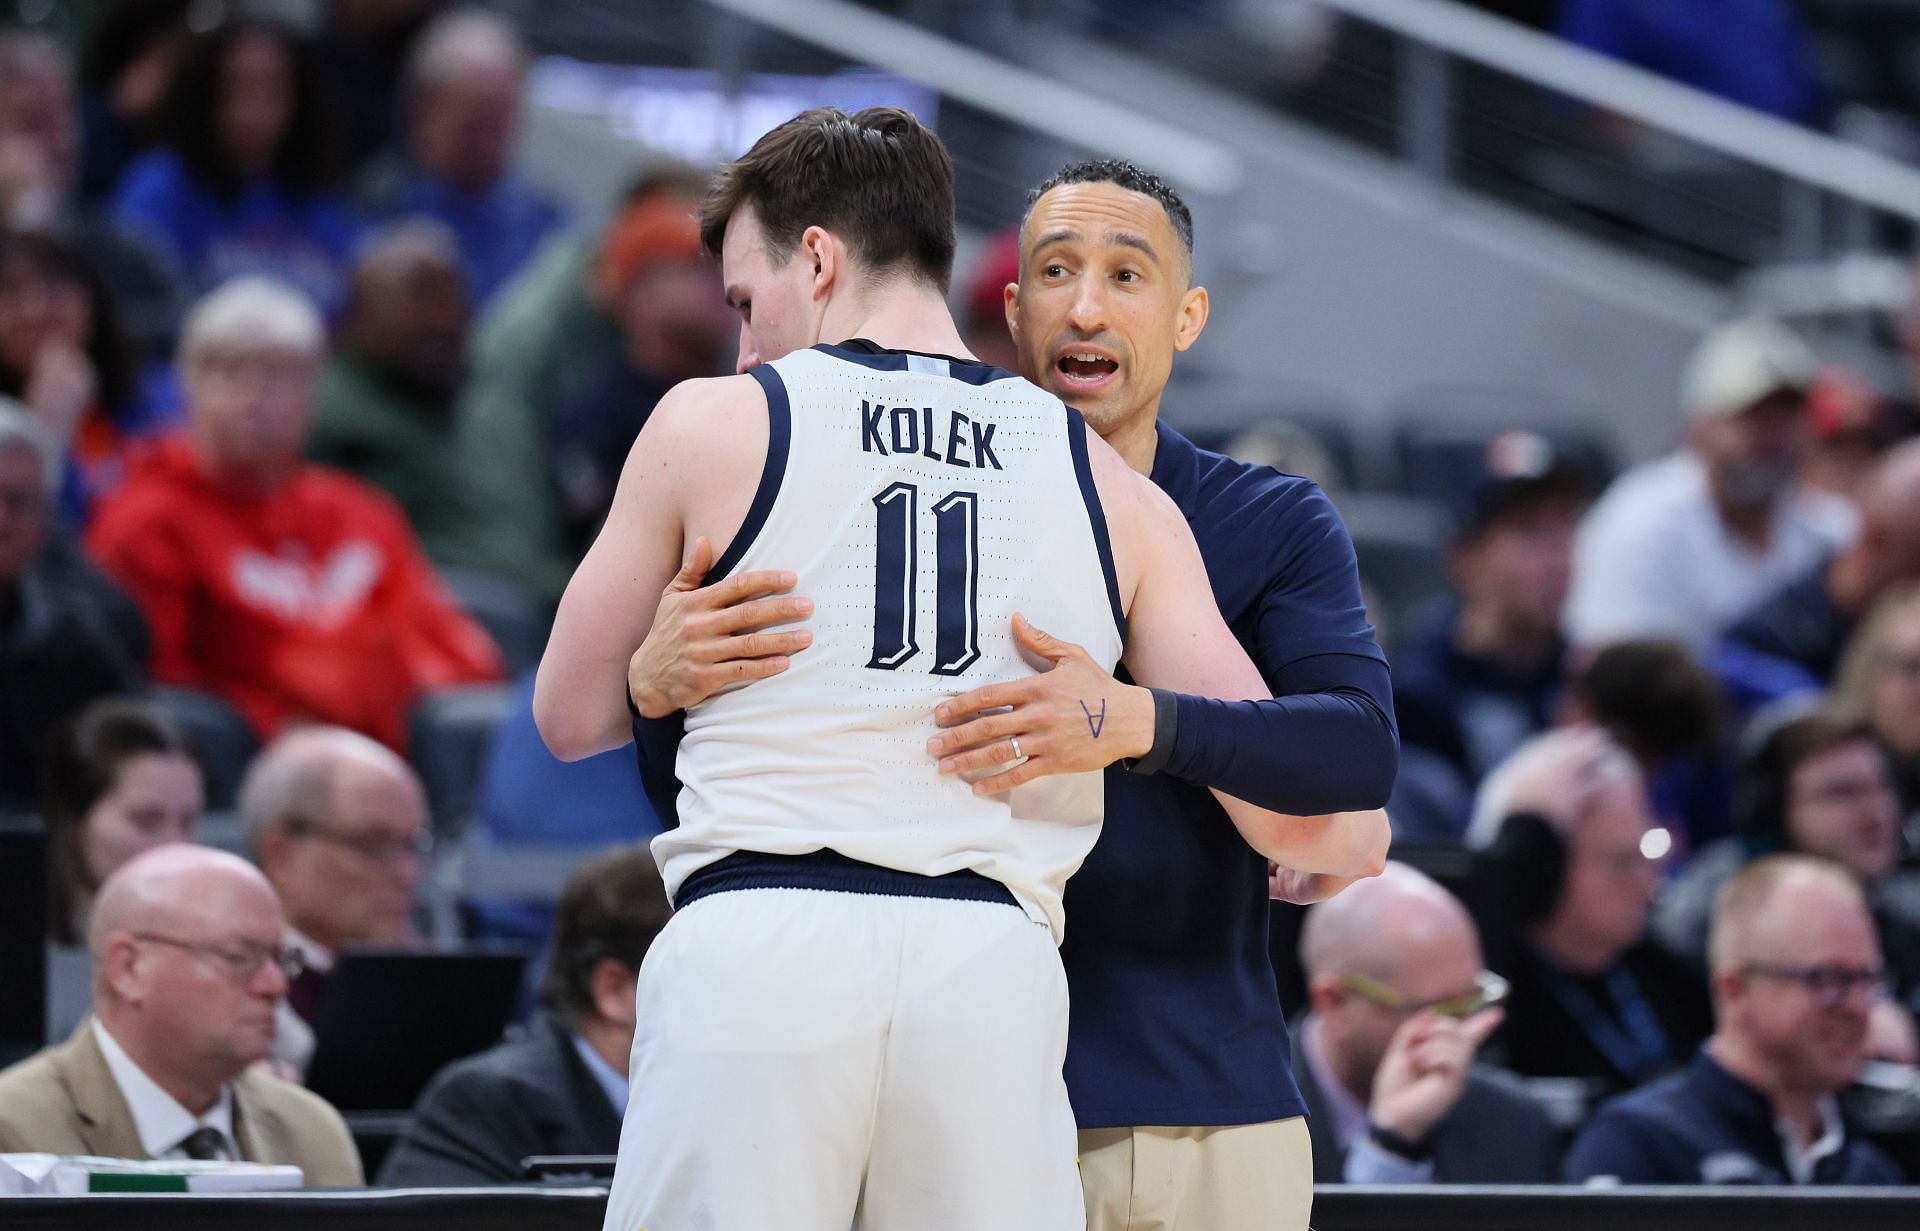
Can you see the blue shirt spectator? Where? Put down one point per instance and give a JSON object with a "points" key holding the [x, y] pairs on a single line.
{"points": [[1748, 51], [1797, 985], [497, 227], [462, 91], [307, 242], [246, 181], [1703, 1125]]}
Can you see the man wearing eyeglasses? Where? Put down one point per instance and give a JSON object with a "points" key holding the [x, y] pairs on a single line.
{"points": [[1796, 973], [188, 971], [338, 823], [1400, 1005]]}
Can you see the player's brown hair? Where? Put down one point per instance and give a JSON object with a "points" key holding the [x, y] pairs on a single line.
{"points": [[878, 179]]}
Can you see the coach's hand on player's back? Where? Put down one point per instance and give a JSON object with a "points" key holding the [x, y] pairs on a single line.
{"points": [[1071, 717], [704, 638]]}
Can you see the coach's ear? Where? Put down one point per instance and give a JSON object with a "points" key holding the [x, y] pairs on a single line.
{"points": [[1193, 317], [826, 253]]}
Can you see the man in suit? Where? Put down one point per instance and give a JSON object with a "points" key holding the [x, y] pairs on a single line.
{"points": [[188, 971], [1399, 1005], [562, 1089]]}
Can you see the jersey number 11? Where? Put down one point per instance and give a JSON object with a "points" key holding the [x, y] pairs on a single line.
{"points": [[956, 534]]}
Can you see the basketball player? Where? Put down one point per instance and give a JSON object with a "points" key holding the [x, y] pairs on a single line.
{"points": [[858, 1010]]}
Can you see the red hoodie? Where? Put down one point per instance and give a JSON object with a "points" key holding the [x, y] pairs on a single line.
{"points": [[311, 603]]}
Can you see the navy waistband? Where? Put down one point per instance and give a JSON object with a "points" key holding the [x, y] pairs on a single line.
{"points": [[830, 870]]}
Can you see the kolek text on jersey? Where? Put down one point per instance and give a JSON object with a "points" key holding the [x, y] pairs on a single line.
{"points": [[908, 429]]}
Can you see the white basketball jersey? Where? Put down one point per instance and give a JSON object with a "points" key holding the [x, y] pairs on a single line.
{"points": [[921, 502]]}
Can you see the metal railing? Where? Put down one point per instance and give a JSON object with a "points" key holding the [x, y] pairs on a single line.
{"points": [[999, 87]]}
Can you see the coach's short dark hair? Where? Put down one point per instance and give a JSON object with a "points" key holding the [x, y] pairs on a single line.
{"points": [[1123, 174], [613, 907], [879, 179]]}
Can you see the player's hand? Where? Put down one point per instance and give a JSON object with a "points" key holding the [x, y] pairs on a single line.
{"points": [[1303, 888], [1070, 718], [1424, 1071], [704, 639]]}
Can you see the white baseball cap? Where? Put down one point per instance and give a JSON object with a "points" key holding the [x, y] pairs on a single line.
{"points": [[1740, 363]]}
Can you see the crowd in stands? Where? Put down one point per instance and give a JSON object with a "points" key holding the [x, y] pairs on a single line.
{"points": [[299, 376]]}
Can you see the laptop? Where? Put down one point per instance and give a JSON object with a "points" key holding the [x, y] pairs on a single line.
{"points": [[392, 1018]]}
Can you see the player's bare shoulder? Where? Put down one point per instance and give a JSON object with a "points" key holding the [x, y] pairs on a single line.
{"points": [[1141, 519], [701, 428]]}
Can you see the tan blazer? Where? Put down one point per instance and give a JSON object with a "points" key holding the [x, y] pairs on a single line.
{"points": [[64, 1100]]}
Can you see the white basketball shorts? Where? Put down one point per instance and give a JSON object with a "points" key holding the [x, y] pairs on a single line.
{"points": [[809, 1060]]}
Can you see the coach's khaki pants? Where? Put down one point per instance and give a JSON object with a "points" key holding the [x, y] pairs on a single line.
{"points": [[1243, 1177]]}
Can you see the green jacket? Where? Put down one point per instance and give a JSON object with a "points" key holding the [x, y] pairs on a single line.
{"points": [[541, 340], [364, 425]]}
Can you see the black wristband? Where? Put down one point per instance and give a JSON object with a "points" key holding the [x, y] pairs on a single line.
{"points": [[1166, 729], [1398, 1146]]}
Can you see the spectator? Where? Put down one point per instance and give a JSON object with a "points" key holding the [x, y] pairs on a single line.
{"points": [[66, 635], [1792, 641], [292, 592], [463, 83], [1400, 1005], [538, 345], [562, 1089], [63, 355], [1796, 971], [118, 780], [1853, 424], [1751, 52], [1880, 677], [1683, 546], [1668, 712], [606, 804], [247, 180], [386, 405], [1814, 784], [1565, 827], [40, 158], [366, 44], [339, 825], [665, 293], [133, 48], [1485, 674], [188, 969]]}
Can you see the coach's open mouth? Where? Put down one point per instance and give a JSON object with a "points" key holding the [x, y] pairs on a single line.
{"points": [[1086, 368]]}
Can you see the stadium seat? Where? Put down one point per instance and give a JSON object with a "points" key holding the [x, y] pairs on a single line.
{"points": [[1401, 544], [1442, 432], [516, 620], [450, 731], [1213, 413]]}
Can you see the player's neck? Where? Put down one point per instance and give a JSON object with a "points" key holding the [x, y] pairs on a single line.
{"points": [[899, 315]]}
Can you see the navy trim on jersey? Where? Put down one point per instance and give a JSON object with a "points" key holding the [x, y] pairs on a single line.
{"points": [[779, 439], [831, 871], [1083, 469], [880, 359]]}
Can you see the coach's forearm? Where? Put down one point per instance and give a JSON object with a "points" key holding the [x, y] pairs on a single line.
{"points": [[1342, 845], [1309, 753]]}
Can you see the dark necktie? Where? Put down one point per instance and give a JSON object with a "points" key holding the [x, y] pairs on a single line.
{"points": [[204, 1143]]}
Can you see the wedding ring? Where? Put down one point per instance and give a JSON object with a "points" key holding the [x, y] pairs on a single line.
{"points": [[1015, 741]]}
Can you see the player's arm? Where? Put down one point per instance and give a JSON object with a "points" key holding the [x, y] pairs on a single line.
{"points": [[579, 694], [1178, 641]]}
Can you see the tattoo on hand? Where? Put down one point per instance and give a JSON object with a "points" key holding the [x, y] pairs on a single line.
{"points": [[1095, 721]]}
